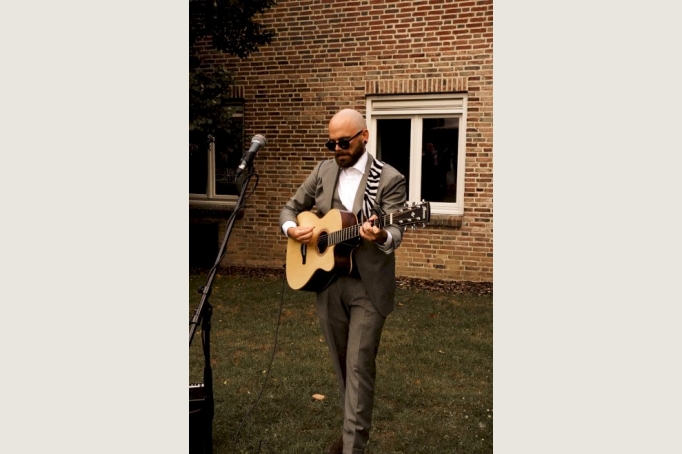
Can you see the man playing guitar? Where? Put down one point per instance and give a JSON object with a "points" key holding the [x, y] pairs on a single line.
{"points": [[353, 300]]}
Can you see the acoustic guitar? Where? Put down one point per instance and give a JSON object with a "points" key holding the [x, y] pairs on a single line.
{"points": [[313, 266]]}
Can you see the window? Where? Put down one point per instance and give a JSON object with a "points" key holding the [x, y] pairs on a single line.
{"points": [[423, 136], [212, 165]]}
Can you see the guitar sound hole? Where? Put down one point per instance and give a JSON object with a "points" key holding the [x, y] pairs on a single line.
{"points": [[322, 243]]}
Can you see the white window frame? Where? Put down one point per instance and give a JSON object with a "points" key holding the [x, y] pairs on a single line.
{"points": [[417, 107]]}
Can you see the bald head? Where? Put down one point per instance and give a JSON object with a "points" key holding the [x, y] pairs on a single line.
{"points": [[349, 118]]}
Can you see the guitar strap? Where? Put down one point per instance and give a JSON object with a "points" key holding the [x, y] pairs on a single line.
{"points": [[369, 199]]}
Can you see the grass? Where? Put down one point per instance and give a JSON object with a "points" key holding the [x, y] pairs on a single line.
{"points": [[434, 372]]}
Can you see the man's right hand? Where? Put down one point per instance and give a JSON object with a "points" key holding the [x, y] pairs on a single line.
{"points": [[302, 234]]}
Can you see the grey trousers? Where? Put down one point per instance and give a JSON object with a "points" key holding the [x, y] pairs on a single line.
{"points": [[352, 327]]}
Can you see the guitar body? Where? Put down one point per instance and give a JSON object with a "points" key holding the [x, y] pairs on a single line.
{"points": [[314, 266]]}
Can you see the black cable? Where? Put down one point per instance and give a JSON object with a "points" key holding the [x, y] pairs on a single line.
{"points": [[267, 375]]}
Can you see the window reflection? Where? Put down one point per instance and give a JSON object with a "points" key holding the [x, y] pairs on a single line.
{"points": [[393, 145], [198, 163], [228, 153], [437, 182], [439, 159]]}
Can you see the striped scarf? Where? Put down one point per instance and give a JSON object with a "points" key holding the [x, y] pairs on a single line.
{"points": [[370, 196]]}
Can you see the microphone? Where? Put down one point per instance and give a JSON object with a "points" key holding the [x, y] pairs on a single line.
{"points": [[257, 142]]}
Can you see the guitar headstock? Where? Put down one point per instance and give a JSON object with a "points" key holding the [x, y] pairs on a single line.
{"points": [[413, 213]]}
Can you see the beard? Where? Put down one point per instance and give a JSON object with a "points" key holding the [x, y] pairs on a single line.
{"points": [[347, 158]]}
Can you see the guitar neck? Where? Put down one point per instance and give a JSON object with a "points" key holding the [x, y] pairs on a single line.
{"points": [[352, 232], [410, 215]]}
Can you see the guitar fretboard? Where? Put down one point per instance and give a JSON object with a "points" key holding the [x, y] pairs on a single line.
{"points": [[412, 215], [352, 232]]}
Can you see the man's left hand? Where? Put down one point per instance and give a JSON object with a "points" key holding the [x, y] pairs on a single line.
{"points": [[373, 233]]}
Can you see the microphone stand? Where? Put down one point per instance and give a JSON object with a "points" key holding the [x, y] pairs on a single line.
{"points": [[204, 311]]}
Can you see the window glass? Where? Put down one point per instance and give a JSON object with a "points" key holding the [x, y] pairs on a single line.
{"points": [[393, 144], [198, 164], [228, 153], [439, 159]]}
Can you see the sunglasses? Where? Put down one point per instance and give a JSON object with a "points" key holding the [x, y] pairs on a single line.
{"points": [[344, 144]]}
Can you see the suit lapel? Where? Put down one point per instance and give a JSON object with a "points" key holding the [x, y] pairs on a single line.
{"points": [[330, 180]]}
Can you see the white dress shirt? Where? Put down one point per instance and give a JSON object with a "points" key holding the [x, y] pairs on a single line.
{"points": [[349, 180]]}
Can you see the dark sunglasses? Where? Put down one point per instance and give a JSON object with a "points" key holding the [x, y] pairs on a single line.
{"points": [[344, 144]]}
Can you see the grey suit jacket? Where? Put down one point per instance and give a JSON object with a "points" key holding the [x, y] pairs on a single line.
{"points": [[375, 266]]}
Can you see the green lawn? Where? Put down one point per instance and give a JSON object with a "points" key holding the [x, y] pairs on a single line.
{"points": [[434, 374]]}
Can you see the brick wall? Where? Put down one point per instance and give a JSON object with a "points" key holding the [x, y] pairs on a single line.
{"points": [[328, 55]]}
